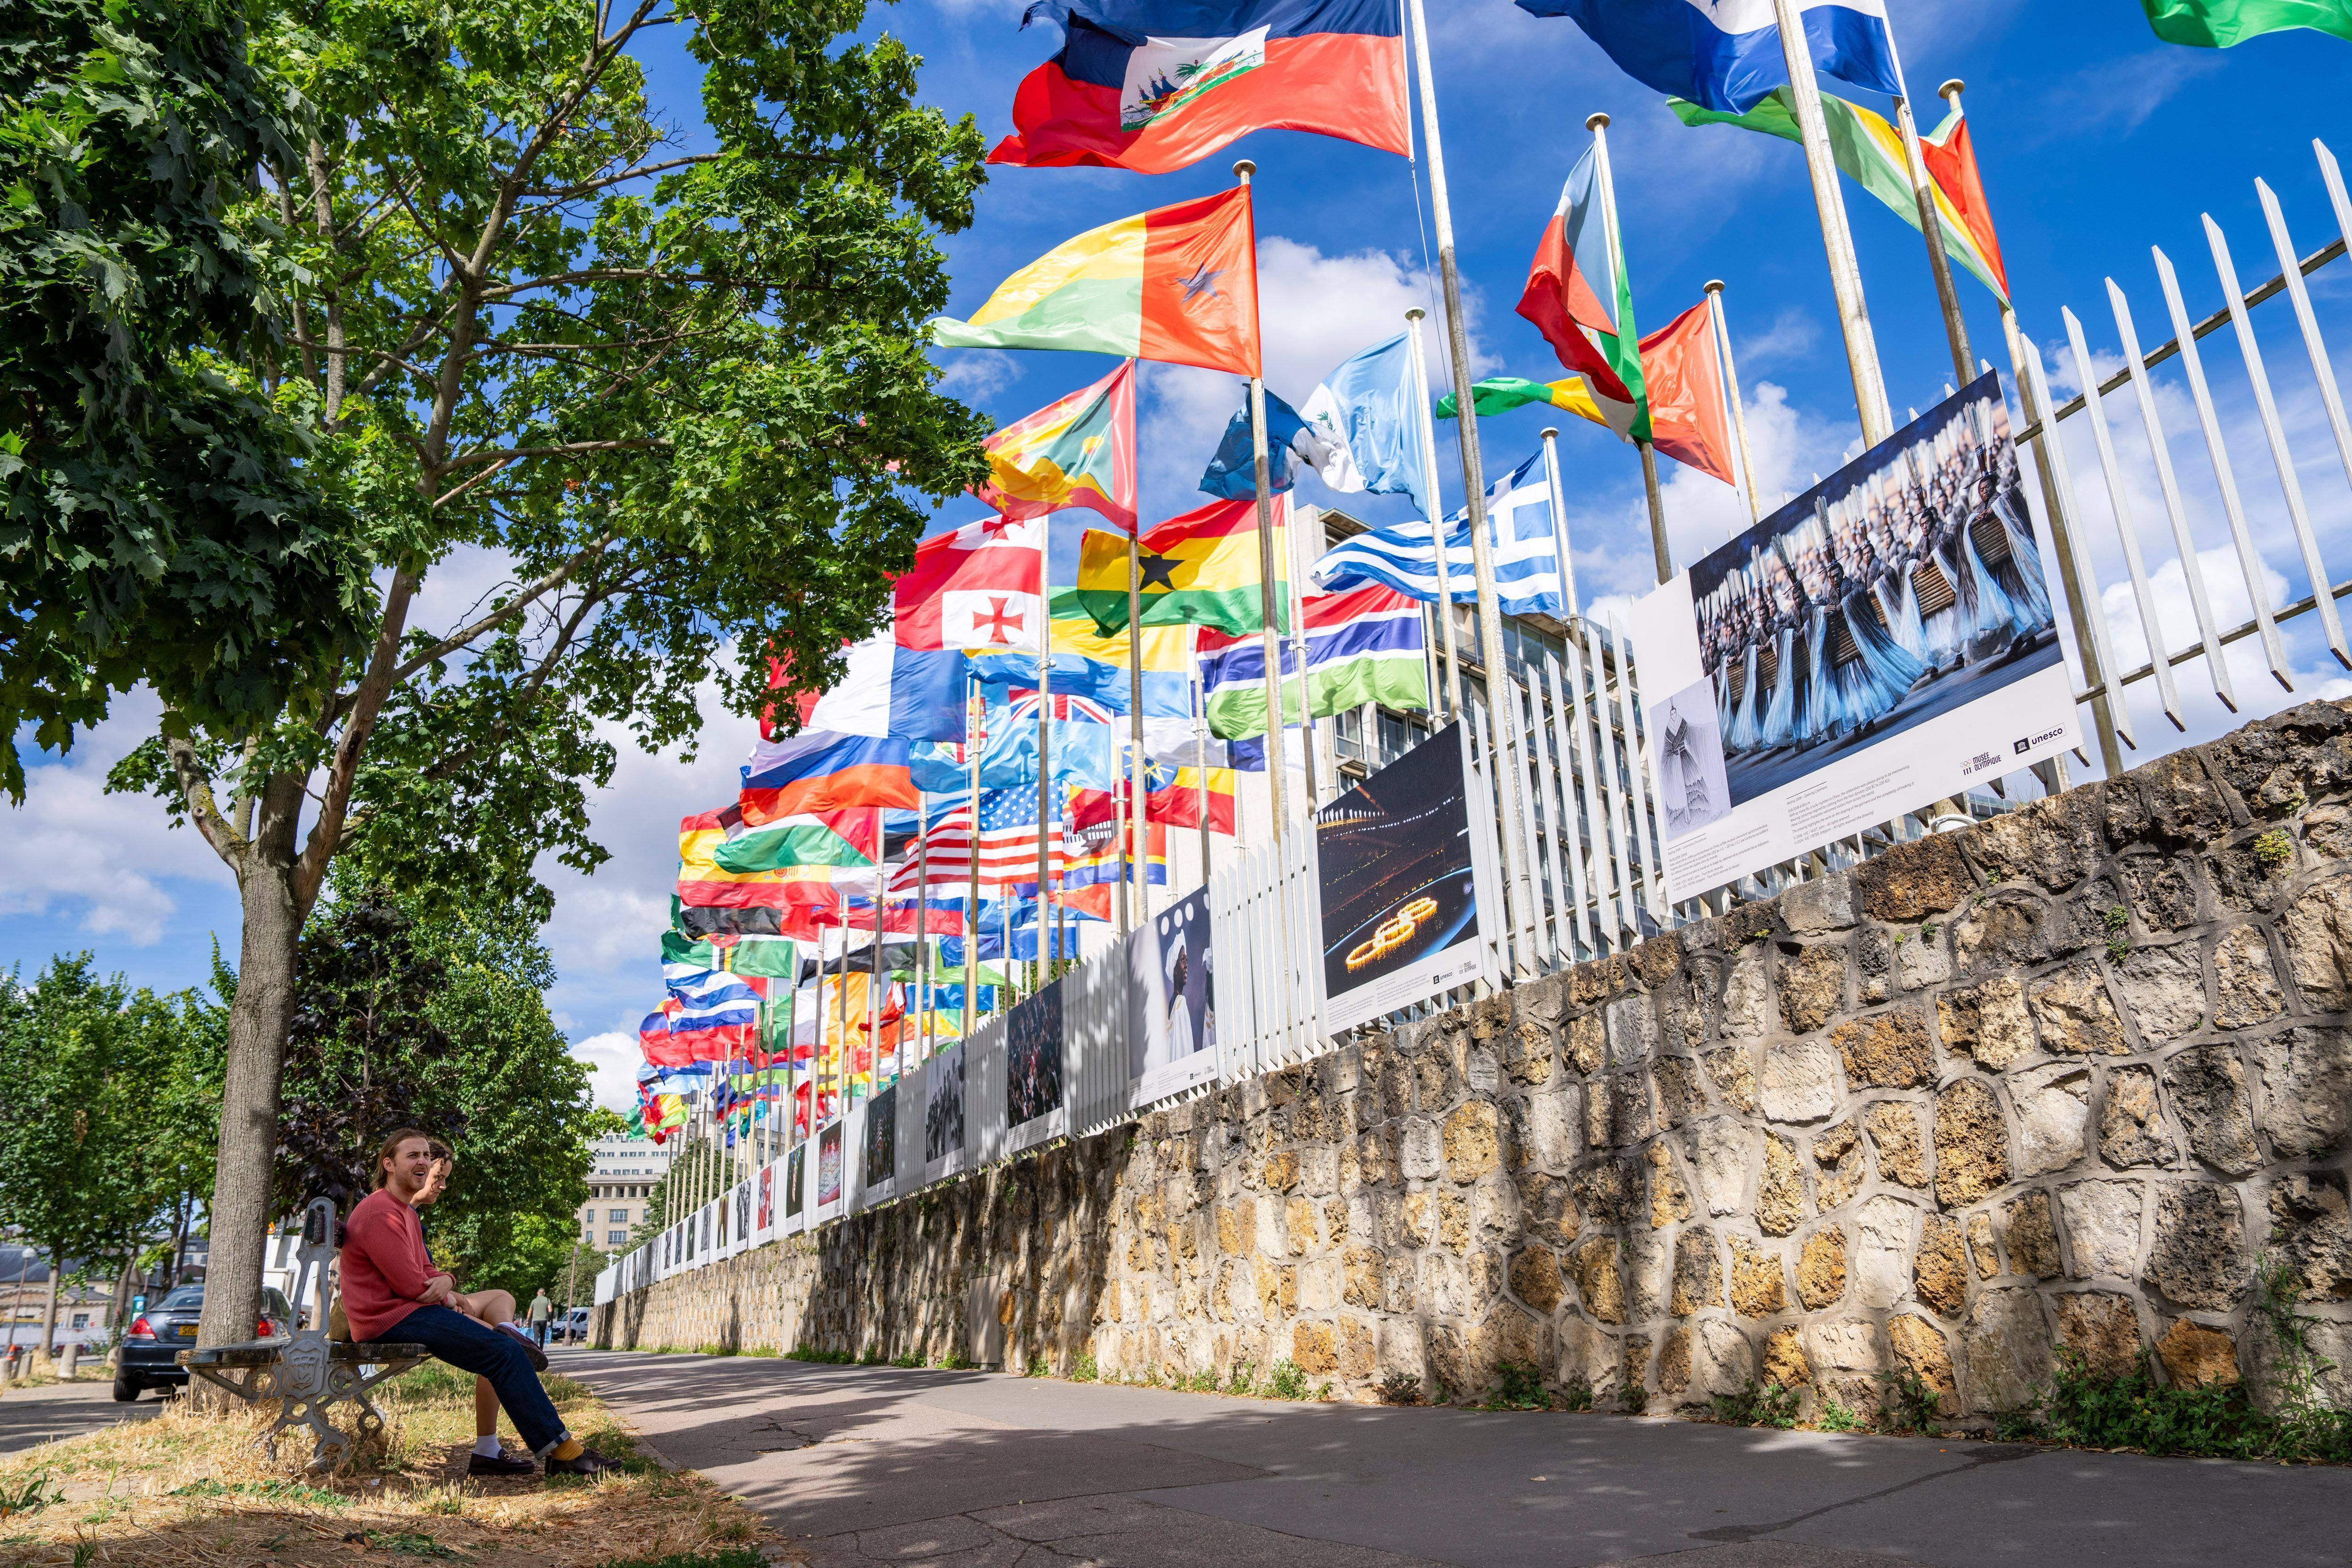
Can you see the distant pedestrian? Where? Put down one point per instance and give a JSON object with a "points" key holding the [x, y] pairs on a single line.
{"points": [[541, 1310]]}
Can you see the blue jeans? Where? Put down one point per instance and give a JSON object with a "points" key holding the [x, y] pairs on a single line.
{"points": [[471, 1347]]}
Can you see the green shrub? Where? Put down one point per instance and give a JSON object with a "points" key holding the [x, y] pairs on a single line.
{"points": [[1577, 1396], [956, 1360], [1835, 1416], [1911, 1403], [1289, 1382], [1037, 1367], [1242, 1378], [823, 1358], [872, 1356], [1400, 1388], [911, 1358], [1769, 1405], [1518, 1385], [1083, 1369]]}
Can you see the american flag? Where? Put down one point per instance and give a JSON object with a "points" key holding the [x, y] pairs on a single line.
{"points": [[1008, 845]]}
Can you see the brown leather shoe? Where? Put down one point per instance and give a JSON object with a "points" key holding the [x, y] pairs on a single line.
{"points": [[506, 1463], [589, 1463]]}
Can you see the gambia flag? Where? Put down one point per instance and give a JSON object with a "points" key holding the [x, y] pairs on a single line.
{"points": [[1154, 85], [1077, 452], [1200, 568], [1578, 296], [1870, 151], [1177, 285], [2217, 24], [1363, 646]]}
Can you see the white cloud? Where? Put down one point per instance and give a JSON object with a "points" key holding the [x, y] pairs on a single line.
{"points": [[612, 1058], [2087, 102], [1793, 335], [104, 863], [975, 375]]}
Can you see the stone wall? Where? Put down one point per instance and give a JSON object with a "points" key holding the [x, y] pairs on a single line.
{"points": [[2060, 1078]]}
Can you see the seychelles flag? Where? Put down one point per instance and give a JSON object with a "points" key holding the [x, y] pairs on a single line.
{"points": [[1154, 85]]}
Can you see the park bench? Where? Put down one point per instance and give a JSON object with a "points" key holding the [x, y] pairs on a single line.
{"points": [[305, 1371]]}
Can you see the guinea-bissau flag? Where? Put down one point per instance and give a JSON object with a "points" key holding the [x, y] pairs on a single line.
{"points": [[1077, 452], [1200, 569], [1154, 85], [1177, 285]]}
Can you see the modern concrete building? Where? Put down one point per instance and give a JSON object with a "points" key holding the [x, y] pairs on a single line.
{"points": [[621, 1176]]}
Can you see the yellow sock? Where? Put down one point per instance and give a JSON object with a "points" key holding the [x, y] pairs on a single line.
{"points": [[569, 1448]]}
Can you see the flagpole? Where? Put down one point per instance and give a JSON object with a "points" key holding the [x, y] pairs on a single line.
{"points": [[1044, 717], [874, 979], [973, 738], [1599, 125], [1473, 481], [1560, 524], [1269, 637], [1451, 705], [923, 929], [1931, 229], [1200, 746], [1837, 239], [1306, 706], [1731, 385], [1132, 847]]}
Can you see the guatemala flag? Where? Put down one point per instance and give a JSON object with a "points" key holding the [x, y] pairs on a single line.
{"points": [[1526, 559], [1726, 53]]}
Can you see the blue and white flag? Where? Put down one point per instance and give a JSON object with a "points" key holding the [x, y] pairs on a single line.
{"points": [[1726, 53], [1233, 471], [1519, 530], [1367, 414]]}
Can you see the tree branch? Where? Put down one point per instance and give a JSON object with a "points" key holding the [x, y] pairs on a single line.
{"points": [[196, 791], [508, 453], [567, 193], [366, 702], [553, 580]]}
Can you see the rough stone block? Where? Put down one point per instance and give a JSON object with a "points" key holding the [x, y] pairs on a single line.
{"points": [[1746, 997], [1988, 1021], [1799, 1082], [1894, 1133], [2103, 1227], [1732, 1069], [1649, 1275], [2102, 1328], [1781, 1197], [2246, 987], [2009, 931], [2319, 931], [1813, 985], [1422, 1156], [1847, 1359], [2200, 1255], [1589, 1357], [1912, 881], [2030, 1237], [1981, 1245], [2006, 1345], [1724, 1362], [2131, 1124], [2165, 988], [1699, 1272], [1817, 906], [1758, 1289], [2209, 1090], [1599, 1283], [2194, 1355], [2053, 1104], [1675, 1360], [2054, 841], [1939, 1271], [1471, 1150], [1536, 1278], [2169, 801], [1886, 1050], [1921, 961], [1632, 1024], [1971, 1143], [2163, 892], [1921, 1347], [1722, 1157], [2075, 1011], [1821, 1268], [1881, 1261], [1588, 1042], [1680, 1099], [1839, 1167], [1784, 1359], [1670, 1201], [2311, 1231], [2306, 1089]]}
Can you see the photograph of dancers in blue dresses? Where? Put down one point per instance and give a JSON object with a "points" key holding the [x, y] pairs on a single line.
{"points": [[1905, 584]]}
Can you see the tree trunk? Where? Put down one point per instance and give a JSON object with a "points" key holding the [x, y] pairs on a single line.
{"points": [[49, 1305], [258, 1023], [118, 1311]]}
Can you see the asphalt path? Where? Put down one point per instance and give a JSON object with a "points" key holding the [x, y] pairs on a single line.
{"points": [[957, 1469], [30, 1415]]}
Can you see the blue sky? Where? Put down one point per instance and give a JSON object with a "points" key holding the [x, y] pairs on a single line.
{"points": [[2097, 141]]}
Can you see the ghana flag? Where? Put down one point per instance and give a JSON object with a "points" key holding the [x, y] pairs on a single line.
{"points": [[1200, 569], [1178, 285], [1077, 452]]}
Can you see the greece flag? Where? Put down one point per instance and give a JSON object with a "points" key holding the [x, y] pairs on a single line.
{"points": [[1726, 53], [1527, 561]]}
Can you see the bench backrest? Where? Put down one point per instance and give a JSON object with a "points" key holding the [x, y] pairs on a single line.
{"points": [[312, 1259]]}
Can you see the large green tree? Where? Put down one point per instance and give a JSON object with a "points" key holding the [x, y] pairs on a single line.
{"points": [[161, 516], [659, 407], [90, 1070]]}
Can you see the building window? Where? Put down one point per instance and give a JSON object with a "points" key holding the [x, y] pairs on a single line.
{"points": [[618, 1217], [81, 1319], [616, 1238]]}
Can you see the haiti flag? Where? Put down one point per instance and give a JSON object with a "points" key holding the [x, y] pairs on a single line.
{"points": [[1154, 85]]}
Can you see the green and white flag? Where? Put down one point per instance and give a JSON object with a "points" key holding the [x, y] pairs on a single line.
{"points": [[2217, 24]]}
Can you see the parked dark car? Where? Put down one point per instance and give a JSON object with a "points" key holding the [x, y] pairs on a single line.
{"points": [[168, 1327]]}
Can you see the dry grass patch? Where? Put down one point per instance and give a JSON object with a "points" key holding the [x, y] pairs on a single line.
{"points": [[191, 1487]]}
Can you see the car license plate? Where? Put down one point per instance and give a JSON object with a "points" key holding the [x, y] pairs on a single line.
{"points": [[185, 1331]]}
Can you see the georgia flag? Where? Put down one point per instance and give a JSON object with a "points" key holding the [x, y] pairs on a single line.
{"points": [[979, 588]]}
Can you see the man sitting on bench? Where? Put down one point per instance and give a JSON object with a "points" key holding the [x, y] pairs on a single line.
{"points": [[392, 1292]]}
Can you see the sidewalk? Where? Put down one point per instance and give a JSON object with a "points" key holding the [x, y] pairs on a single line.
{"points": [[30, 1415], [874, 1464]]}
